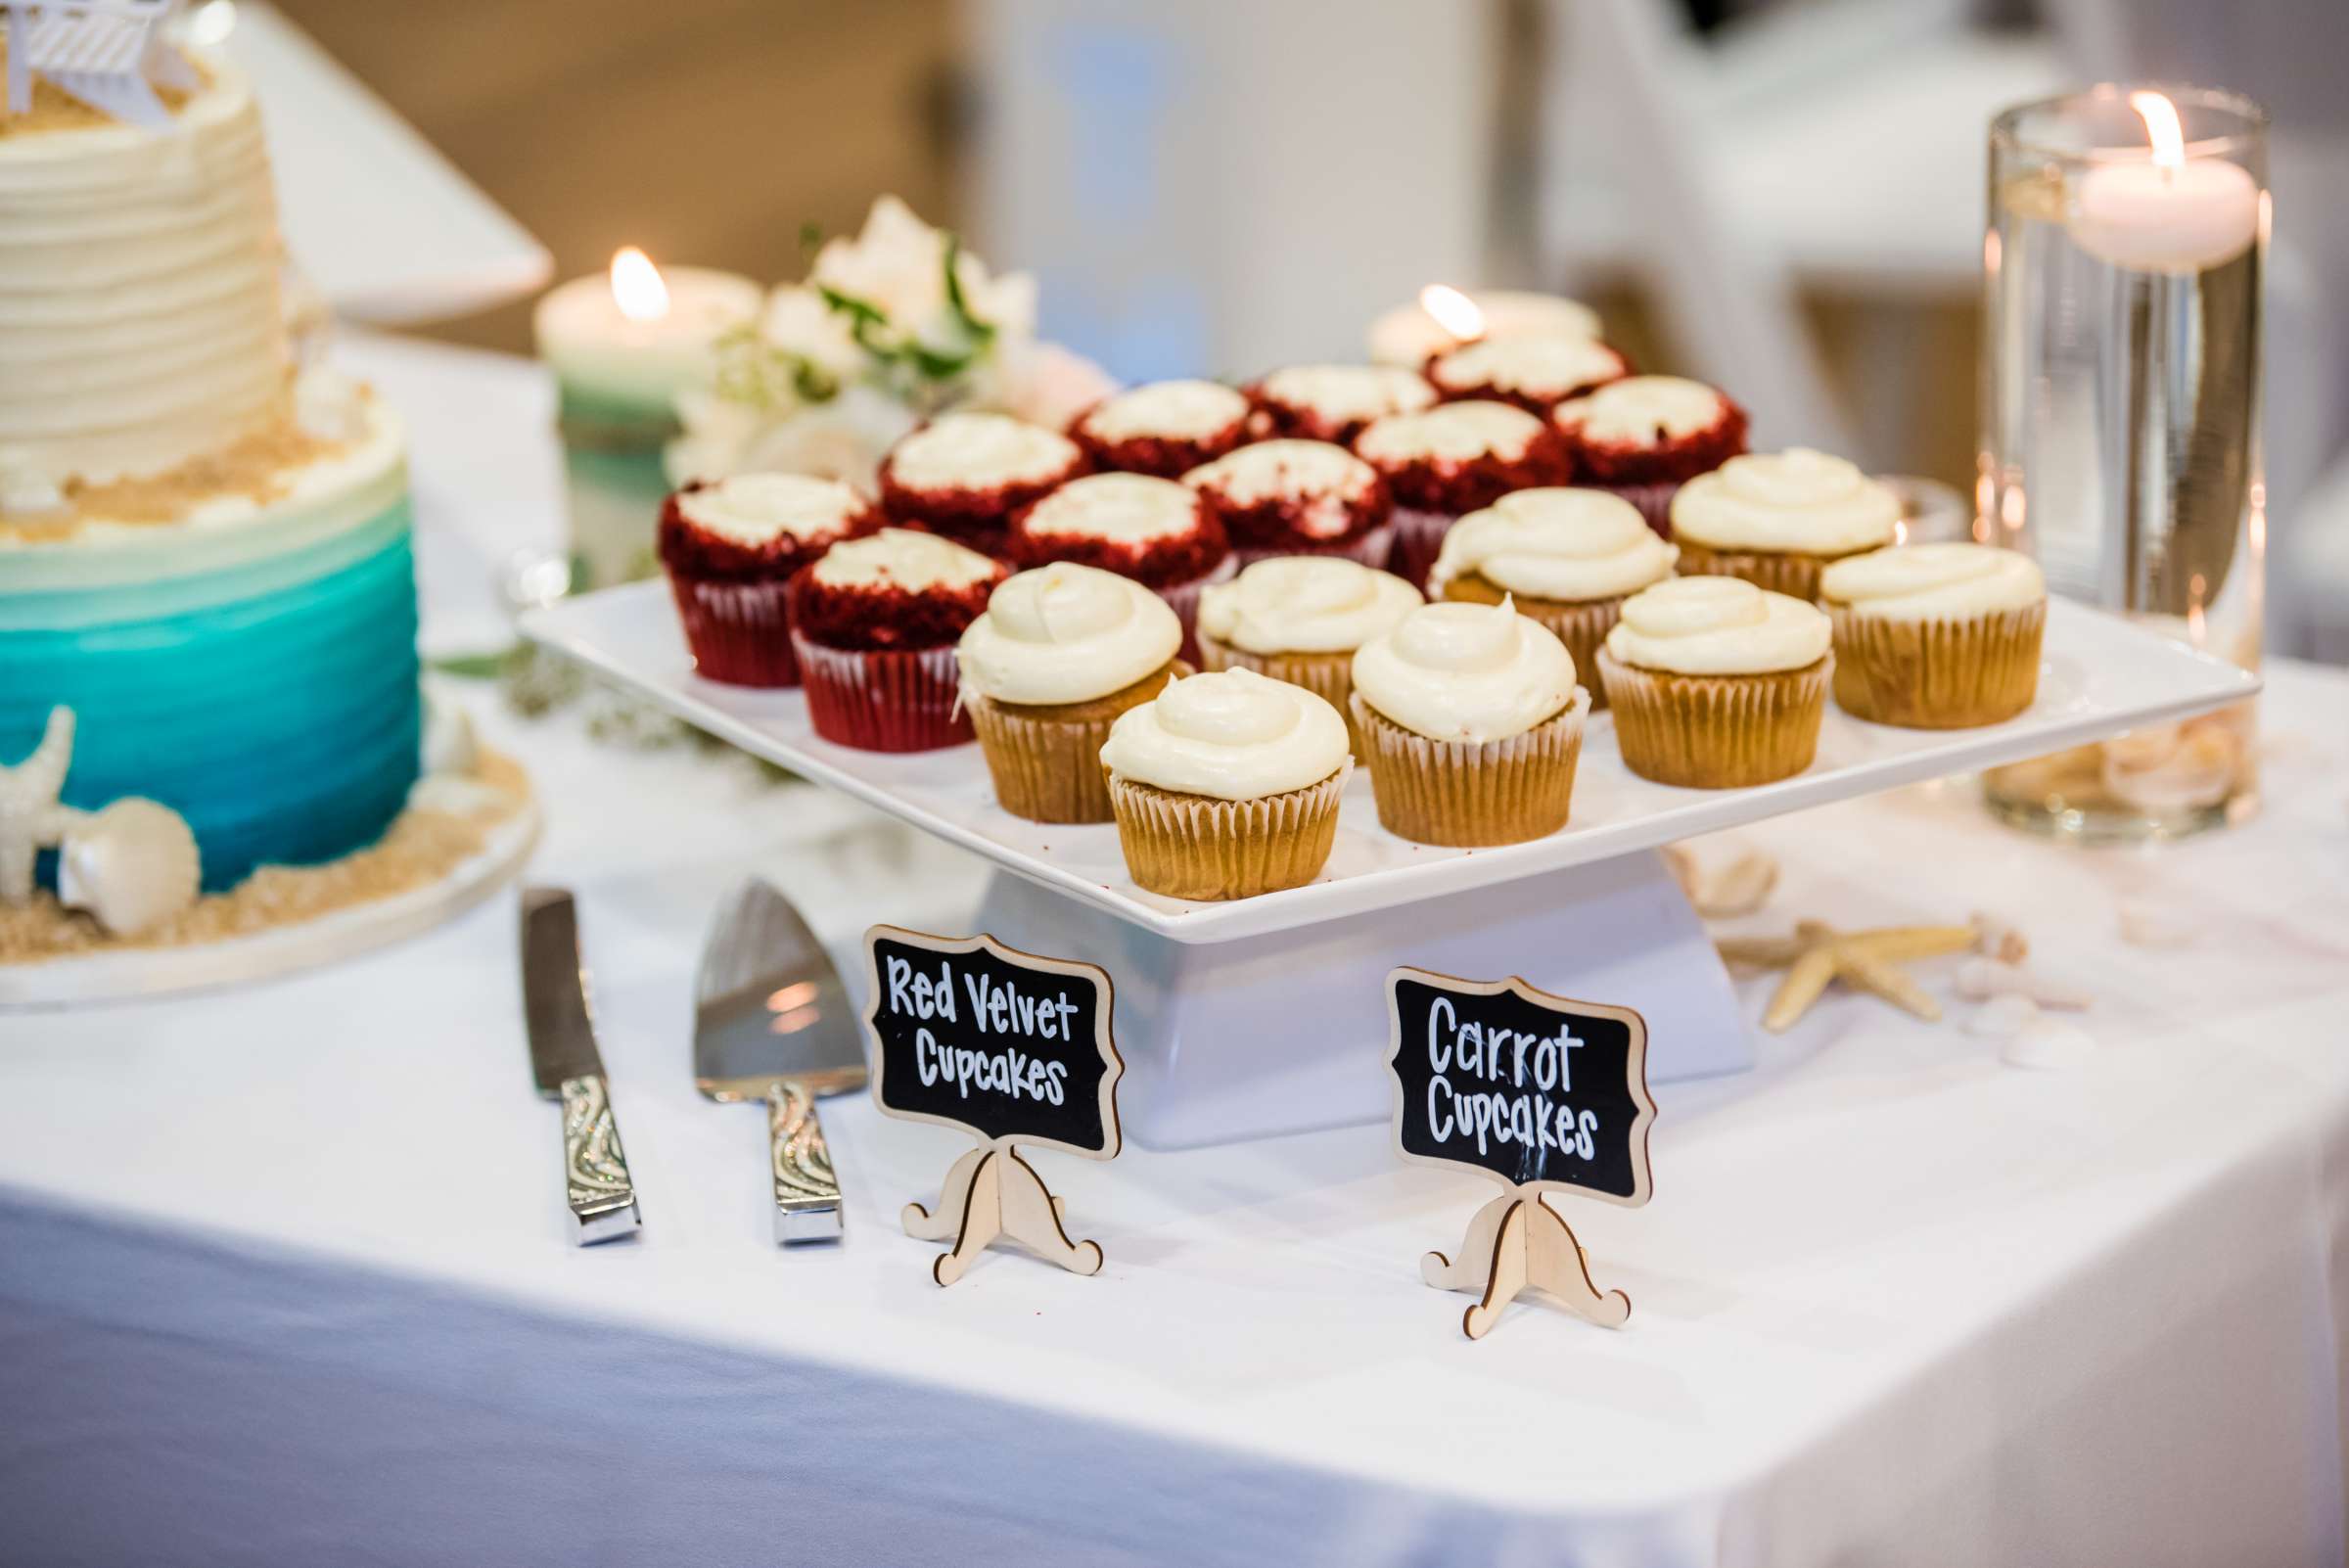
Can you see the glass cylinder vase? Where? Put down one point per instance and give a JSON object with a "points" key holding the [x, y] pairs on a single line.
{"points": [[2123, 265]]}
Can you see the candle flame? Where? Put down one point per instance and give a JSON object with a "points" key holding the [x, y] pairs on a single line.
{"points": [[2162, 128], [1453, 311], [636, 285]]}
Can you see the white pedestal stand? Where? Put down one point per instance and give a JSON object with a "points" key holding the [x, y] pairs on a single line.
{"points": [[1285, 1032]]}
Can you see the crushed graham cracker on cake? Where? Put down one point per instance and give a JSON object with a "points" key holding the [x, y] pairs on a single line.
{"points": [[56, 110], [253, 467]]}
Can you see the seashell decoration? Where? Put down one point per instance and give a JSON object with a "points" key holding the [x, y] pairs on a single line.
{"points": [[133, 865], [30, 818]]}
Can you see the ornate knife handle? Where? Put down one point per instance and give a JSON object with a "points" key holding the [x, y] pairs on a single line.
{"points": [[807, 1192], [595, 1169]]}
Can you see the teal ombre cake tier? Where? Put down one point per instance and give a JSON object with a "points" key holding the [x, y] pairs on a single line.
{"points": [[257, 673]]}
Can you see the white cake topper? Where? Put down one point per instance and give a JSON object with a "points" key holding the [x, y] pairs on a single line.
{"points": [[133, 865], [111, 54]]}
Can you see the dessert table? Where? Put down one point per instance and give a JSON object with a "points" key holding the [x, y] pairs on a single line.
{"points": [[284, 1271]]}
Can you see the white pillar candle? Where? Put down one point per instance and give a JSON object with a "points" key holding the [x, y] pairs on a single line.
{"points": [[2169, 213], [639, 335], [1443, 317]]}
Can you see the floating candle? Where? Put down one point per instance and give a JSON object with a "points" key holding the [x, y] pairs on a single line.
{"points": [[637, 335], [1443, 317], [2172, 213]]}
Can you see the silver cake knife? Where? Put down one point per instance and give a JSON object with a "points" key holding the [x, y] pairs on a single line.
{"points": [[772, 1024], [569, 1067]]}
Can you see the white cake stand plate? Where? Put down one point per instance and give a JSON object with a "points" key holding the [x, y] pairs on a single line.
{"points": [[128, 973]]}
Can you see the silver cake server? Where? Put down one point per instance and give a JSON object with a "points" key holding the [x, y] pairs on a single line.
{"points": [[773, 1023], [569, 1067]]}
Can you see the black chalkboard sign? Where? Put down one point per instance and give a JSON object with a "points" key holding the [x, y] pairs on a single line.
{"points": [[1002, 1044], [1536, 1089]]}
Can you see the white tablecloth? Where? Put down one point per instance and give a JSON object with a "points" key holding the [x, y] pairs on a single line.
{"points": [[284, 1275]]}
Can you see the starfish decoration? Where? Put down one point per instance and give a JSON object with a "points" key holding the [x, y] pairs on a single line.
{"points": [[1817, 955], [30, 817]]}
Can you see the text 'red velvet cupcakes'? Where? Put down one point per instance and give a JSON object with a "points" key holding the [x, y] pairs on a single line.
{"points": [[729, 549], [1154, 530], [1535, 373], [874, 621], [1453, 459], [964, 474], [1333, 403], [1165, 429], [1296, 497], [1644, 437]]}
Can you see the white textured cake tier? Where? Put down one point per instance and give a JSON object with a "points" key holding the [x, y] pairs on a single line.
{"points": [[139, 315]]}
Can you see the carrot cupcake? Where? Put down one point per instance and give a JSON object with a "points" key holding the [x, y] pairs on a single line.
{"points": [[1536, 373], [1227, 786], [1059, 653], [729, 549], [1936, 636], [1333, 403], [1643, 436], [1717, 683], [1451, 459], [1154, 530], [1165, 429], [964, 474], [1778, 519], [1299, 618], [1297, 498], [874, 621], [1472, 722], [1566, 557]]}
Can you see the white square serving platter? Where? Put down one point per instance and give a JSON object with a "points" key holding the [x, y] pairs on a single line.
{"points": [[2099, 675]]}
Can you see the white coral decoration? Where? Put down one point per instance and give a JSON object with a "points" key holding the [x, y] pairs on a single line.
{"points": [[134, 866], [30, 817]]}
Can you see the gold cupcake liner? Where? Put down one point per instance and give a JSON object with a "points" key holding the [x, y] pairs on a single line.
{"points": [[1937, 674], [1327, 675], [1716, 732], [1045, 761], [1789, 572], [1581, 626], [1198, 847], [1465, 796]]}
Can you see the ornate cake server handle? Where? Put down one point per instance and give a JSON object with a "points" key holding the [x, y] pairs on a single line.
{"points": [[807, 1192], [595, 1168]]}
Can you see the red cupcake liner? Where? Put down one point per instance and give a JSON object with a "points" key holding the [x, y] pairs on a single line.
{"points": [[740, 632], [897, 700], [1418, 539], [1654, 501], [1373, 549], [1183, 599]]}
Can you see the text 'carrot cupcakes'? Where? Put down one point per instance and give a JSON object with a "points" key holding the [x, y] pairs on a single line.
{"points": [[1059, 653], [1295, 497], [1936, 636], [1778, 519], [874, 623], [964, 474], [1227, 786], [1567, 557], [1166, 429], [1536, 372], [1154, 530], [1472, 722], [1716, 684], [1446, 461], [729, 549], [1299, 618], [1333, 403], [1644, 437]]}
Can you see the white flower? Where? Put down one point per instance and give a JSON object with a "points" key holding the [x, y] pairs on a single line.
{"points": [[844, 438], [897, 265], [797, 321], [1045, 384]]}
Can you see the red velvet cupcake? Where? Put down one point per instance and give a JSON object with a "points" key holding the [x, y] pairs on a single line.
{"points": [[1165, 429], [874, 621], [729, 548], [1154, 530], [963, 476], [1535, 373], [1293, 497], [1455, 458], [1333, 403], [1644, 437]]}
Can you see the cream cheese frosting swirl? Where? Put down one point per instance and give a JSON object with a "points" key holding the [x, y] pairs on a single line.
{"points": [[1281, 470], [1126, 508], [1934, 581], [1641, 410], [1234, 735], [1466, 673], [755, 509], [1067, 633], [1347, 393], [1542, 366], [1457, 433], [1304, 604], [978, 450], [1718, 627], [1798, 499], [904, 559], [1181, 409], [1555, 543]]}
